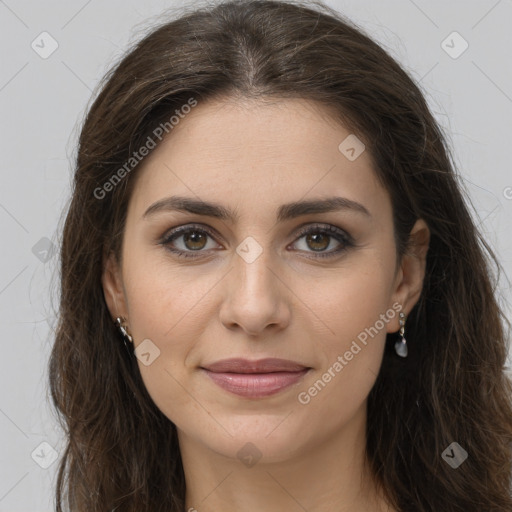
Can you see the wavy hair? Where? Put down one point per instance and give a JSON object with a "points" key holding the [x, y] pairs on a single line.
{"points": [[452, 387]]}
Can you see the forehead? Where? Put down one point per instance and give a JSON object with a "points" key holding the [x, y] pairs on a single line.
{"points": [[257, 152]]}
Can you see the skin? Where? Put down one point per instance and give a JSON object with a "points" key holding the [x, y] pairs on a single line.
{"points": [[252, 156]]}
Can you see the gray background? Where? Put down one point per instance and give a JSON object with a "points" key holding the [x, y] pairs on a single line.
{"points": [[43, 101]]}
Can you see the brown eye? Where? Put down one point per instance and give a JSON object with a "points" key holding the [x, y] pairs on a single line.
{"points": [[187, 240], [318, 238], [194, 240], [318, 241], [184, 241]]}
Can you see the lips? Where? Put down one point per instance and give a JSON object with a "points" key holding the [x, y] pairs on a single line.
{"points": [[239, 365], [255, 379]]}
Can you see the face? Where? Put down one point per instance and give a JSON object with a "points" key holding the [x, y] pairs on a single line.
{"points": [[260, 275]]}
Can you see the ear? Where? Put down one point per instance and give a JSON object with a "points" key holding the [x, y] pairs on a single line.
{"points": [[113, 288], [409, 280]]}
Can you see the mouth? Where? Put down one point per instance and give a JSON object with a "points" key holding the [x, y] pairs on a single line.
{"points": [[255, 379]]}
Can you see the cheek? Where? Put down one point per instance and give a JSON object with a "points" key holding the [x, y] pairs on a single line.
{"points": [[170, 308], [355, 310], [352, 301], [163, 298]]}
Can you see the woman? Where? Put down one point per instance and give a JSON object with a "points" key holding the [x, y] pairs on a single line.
{"points": [[273, 294]]}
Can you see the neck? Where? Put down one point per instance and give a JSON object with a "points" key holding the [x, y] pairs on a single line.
{"points": [[327, 476]]}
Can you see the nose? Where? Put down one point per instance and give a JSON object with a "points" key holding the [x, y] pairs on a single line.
{"points": [[256, 297]]}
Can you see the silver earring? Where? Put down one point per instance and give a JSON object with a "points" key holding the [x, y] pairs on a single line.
{"points": [[401, 345], [123, 328]]}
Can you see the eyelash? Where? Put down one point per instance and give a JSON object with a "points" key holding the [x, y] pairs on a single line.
{"points": [[331, 231]]}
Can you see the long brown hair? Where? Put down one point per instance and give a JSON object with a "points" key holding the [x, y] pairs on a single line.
{"points": [[451, 388]]}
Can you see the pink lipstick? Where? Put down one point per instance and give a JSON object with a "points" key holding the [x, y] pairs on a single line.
{"points": [[255, 379]]}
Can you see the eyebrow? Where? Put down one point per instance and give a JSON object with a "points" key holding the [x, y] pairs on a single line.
{"points": [[285, 212]]}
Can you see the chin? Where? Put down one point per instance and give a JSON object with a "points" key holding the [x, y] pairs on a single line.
{"points": [[253, 439]]}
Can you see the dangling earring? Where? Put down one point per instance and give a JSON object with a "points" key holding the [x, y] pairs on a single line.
{"points": [[401, 345], [123, 329]]}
